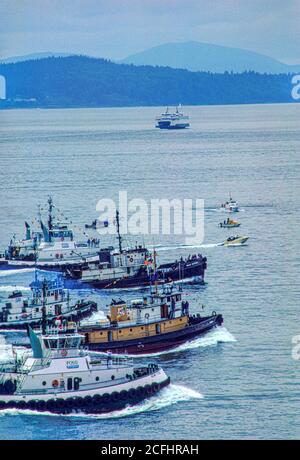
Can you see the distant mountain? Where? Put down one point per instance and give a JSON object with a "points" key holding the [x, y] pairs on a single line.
{"points": [[28, 57], [80, 81], [205, 57]]}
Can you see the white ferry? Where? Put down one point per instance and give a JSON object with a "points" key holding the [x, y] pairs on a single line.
{"points": [[174, 120]]}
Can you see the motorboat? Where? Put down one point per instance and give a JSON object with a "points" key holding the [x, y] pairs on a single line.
{"points": [[229, 223], [235, 241]]}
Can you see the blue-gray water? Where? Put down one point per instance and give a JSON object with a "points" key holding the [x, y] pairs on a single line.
{"points": [[250, 386]]}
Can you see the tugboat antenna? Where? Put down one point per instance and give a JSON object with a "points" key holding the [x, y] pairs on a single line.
{"points": [[118, 231]]}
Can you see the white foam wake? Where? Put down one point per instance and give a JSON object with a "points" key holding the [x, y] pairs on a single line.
{"points": [[15, 271], [186, 246], [218, 335], [170, 395], [10, 288]]}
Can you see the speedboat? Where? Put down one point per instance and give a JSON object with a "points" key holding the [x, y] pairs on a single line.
{"points": [[174, 120], [157, 322], [60, 376], [47, 296], [229, 223], [235, 241]]}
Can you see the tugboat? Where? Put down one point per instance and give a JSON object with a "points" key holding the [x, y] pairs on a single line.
{"points": [[47, 297], [126, 268], [230, 206], [174, 120], [235, 240], [54, 248], [157, 322], [229, 223], [61, 377]]}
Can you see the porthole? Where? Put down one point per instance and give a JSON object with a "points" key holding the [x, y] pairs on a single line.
{"points": [[97, 379], [113, 377], [130, 330], [142, 328], [44, 383]]}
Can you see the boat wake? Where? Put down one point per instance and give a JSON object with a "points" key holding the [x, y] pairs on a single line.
{"points": [[219, 335], [185, 246], [10, 288], [173, 394], [15, 271]]}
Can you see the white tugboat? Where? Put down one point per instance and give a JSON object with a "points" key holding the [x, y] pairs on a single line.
{"points": [[174, 120], [230, 206], [61, 377], [52, 248], [47, 297]]}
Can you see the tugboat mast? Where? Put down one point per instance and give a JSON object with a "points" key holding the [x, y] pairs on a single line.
{"points": [[155, 277], [50, 209], [118, 231], [44, 298]]}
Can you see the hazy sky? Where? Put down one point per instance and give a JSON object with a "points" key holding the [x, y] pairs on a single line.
{"points": [[117, 28]]}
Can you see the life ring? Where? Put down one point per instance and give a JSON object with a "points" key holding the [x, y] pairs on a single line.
{"points": [[64, 352], [51, 404], [132, 393], [69, 403], [148, 389], [140, 392], [106, 398], [97, 399], [214, 313], [21, 404], [55, 383], [88, 400], [131, 259], [41, 404], [123, 395], [155, 386], [115, 396], [78, 402], [2, 404], [147, 316]]}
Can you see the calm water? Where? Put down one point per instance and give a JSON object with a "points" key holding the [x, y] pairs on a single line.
{"points": [[239, 381]]}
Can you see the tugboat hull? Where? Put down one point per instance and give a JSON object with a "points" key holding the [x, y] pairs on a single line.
{"points": [[158, 343], [102, 400], [193, 269]]}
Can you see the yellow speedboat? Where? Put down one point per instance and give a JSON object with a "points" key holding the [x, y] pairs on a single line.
{"points": [[235, 240]]}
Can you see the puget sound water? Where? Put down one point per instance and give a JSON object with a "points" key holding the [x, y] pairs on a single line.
{"points": [[239, 381]]}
